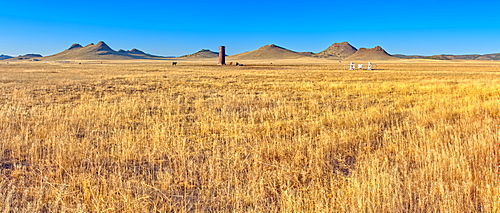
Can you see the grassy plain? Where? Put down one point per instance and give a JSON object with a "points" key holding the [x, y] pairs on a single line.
{"points": [[144, 136]]}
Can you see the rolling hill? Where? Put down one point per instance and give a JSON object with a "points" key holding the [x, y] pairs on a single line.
{"points": [[204, 53], [337, 51], [99, 51], [26, 57], [268, 52], [376, 53]]}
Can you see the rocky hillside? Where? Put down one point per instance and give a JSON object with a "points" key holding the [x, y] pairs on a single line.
{"points": [[99, 51], [268, 52], [337, 51]]}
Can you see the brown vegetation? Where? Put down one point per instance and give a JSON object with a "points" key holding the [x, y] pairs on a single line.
{"points": [[150, 137]]}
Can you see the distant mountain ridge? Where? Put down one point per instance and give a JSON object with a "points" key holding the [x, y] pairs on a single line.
{"points": [[137, 53], [99, 51], [490, 57], [336, 51], [2, 57], [30, 56]]}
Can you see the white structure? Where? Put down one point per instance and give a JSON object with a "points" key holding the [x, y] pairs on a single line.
{"points": [[351, 66]]}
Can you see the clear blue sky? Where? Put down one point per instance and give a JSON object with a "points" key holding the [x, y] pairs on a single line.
{"points": [[172, 28]]}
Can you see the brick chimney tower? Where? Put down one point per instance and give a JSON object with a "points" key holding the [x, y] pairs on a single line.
{"points": [[222, 55]]}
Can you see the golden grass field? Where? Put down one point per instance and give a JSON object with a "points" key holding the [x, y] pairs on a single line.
{"points": [[145, 136]]}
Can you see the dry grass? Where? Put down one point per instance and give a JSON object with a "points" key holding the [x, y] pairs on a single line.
{"points": [[414, 136]]}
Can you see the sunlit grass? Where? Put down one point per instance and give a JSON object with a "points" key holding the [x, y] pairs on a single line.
{"points": [[148, 137]]}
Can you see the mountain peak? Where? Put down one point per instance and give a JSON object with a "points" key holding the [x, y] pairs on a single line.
{"points": [[74, 46], [135, 51], [376, 53], [99, 51], [271, 51], [270, 46], [203, 53], [101, 46], [337, 51]]}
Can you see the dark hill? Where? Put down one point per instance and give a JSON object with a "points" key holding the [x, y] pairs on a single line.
{"points": [[2, 57]]}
